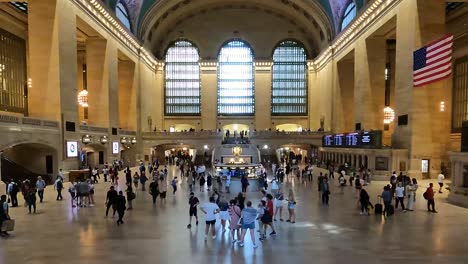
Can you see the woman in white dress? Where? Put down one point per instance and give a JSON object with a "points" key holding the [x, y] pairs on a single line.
{"points": [[412, 188]]}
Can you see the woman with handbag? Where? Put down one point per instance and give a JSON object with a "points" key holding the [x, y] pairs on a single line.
{"points": [[234, 214]]}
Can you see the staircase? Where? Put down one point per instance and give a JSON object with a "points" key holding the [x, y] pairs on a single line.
{"points": [[12, 170]]}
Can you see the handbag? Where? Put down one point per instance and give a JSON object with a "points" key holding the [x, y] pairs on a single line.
{"points": [[239, 222], [8, 225]]}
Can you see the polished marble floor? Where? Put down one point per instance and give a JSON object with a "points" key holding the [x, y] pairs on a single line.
{"points": [[158, 234]]}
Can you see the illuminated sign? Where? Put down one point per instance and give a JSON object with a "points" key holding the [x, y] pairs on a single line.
{"points": [[364, 139], [115, 147], [72, 149]]}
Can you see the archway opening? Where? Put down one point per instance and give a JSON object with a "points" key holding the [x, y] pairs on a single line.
{"points": [[289, 128], [93, 155], [28, 161]]}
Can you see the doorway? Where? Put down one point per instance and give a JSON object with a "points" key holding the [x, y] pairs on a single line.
{"points": [[49, 164], [425, 163]]}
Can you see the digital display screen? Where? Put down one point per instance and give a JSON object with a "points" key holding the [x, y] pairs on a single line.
{"points": [[339, 140], [364, 139], [72, 149], [115, 147]]}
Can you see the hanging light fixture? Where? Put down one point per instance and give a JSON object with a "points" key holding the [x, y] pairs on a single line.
{"points": [[389, 115], [83, 98]]}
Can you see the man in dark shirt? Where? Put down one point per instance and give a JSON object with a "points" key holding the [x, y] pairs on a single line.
{"points": [[120, 202], [193, 202], [111, 199], [154, 191]]}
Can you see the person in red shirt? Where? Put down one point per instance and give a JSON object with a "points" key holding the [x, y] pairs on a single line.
{"points": [[430, 199], [269, 207]]}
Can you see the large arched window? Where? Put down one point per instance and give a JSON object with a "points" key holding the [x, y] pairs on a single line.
{"points": [[236, 79], [289, 79], [349, 15], [122, 14], [182, 80]]}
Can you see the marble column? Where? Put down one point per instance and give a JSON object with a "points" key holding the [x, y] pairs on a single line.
{"points": [[53, 67], [262, 98], [420, 22], [127, 95], [369, 77], [209, 97]]}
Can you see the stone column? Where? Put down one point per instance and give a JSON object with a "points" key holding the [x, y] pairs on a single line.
{"points": [[369, 95], [127, 95], [262, 98], [209, 97], [98, 85], [53, 67], [419, 23]]}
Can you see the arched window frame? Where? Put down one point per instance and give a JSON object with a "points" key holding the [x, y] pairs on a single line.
{"points": [[226, 103], [182, 93], [348, 15], [289, 84], [121, 11]]}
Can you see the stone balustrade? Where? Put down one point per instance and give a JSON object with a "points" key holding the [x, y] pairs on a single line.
{"points": [[28, 121]]}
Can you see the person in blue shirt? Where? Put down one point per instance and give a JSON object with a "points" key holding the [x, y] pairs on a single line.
{"points": [[248, 217]]}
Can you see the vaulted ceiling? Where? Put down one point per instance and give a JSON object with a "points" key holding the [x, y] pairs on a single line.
{"points": [[312, 22]]}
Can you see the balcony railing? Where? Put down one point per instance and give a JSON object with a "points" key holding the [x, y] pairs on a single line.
{"points": [[28, 121]]}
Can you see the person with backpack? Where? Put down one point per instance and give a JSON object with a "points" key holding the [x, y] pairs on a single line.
{"points": [[364, 200], [143, 180], [429, 196], [174, 185], [209, 181], [120, 207], [387, 200], [130, 197], [202, 182], [153, 188], [58, 186]]}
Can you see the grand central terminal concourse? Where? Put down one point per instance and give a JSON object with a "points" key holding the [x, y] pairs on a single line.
{"points": [[233, 131]]}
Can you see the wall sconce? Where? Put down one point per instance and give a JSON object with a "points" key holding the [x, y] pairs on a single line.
{"points": [[104, 140], [205, 147], [442, 106], [133, 141], [29, 83], [389, 115], [86, 139], [83, 98], [124, 140]]}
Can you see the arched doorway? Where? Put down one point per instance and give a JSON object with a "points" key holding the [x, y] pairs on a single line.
{"points": [[93, 155], [289, 127], [28, 161]]}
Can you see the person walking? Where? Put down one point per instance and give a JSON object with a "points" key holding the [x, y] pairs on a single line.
{"points": [[143, 180], [412, 188], [387, 200], [291, 207], [153, 189], [120, 207], [430, 199], [440, 180], [247, 218], [13, 190], [4, 213], [245, 183], [190, 181], [40, 186], [193, 202], [202, 183], [111, 199], [130, 197], [364, 200], [234, 214], [274, 186], [400, 196], [174, 185], [31, 199], [128, 176], [228, 183], [209, 182], [325, 191], [136, 179], [267, 219], [223, 212], [58, 186], [91, 193], [162, 187], [279, 198], [72, 192], [210, 209]]}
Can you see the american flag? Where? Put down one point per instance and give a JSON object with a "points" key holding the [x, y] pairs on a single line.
{"points": [[433, 62]]}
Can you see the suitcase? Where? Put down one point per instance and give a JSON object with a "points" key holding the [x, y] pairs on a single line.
{"points": [[8, 225], [378, 209]]}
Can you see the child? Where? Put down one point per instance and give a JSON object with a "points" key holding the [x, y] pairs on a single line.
{"points": [[174, 185]]}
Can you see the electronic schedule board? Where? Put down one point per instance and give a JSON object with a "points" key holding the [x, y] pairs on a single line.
{"points": [[361, 139]]}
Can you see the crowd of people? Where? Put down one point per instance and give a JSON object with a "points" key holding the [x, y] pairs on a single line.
{"points": [[237, 214]]}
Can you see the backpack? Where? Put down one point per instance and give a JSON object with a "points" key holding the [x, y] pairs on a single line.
{"points": [[15, 188], [425, 195], [131, 196], [59, 185]]}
